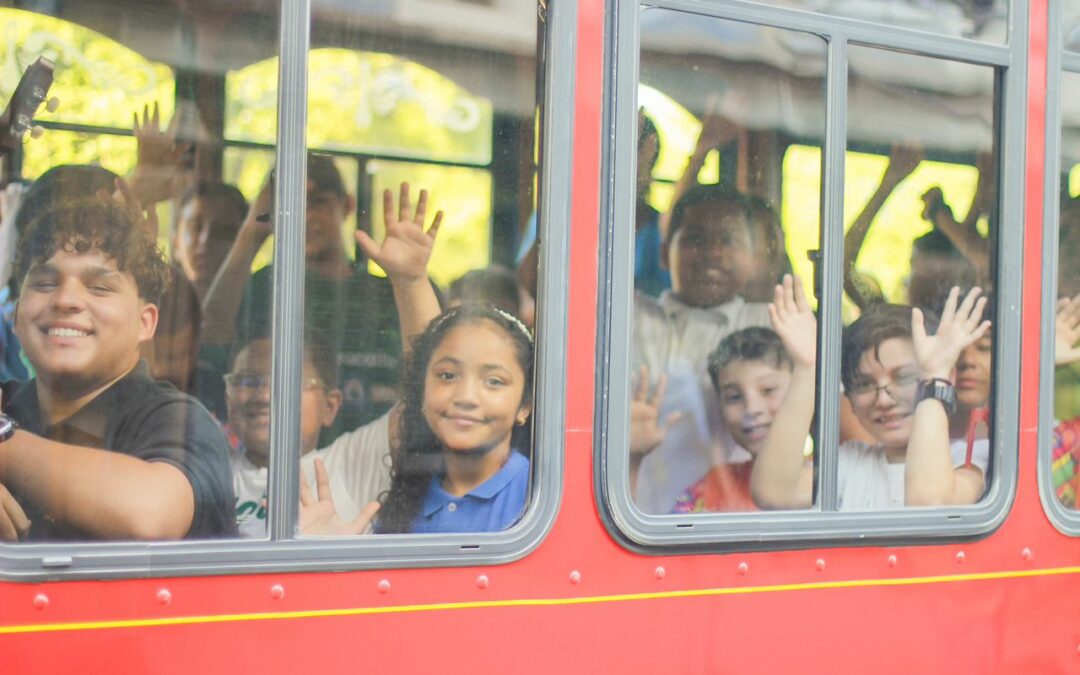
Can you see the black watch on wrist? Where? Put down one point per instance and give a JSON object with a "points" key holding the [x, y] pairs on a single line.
{"points": [[938, 390], [7, 427]]}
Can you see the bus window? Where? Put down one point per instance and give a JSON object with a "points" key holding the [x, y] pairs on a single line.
{"points": [[832, 281], [708, 370], [124, 222], [1065, 443]]}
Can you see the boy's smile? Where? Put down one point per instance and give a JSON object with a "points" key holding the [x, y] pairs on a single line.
{"points": [[80, 320]]}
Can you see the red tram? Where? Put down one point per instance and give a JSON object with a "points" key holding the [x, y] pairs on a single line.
{"points": [[587, 579]]}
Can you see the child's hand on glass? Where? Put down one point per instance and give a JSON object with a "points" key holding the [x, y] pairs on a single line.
{"points": [[960, 326], [318, 515], [646, 429], [794, 321], [405, 251], [1067, 331]]}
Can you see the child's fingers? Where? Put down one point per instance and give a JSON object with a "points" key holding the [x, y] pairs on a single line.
{"points": [[322, 481], [965, 310], [671, 420], [918, 328], [976, 315], [421, 209], [774, 317], [388, 208], [641, 389], [949, 312], [367, 514], [157, 116], [801, 303], [306, 499], [660, 390], [433, 231], [135, 126], [403, 202], [367, 244]]}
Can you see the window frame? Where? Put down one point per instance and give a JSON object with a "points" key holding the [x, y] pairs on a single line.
{"points": [[820, 524], [282, 551], [1058, 62]]}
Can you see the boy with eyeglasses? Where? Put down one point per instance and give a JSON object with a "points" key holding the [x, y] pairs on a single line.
{"points": [[898, 379]]}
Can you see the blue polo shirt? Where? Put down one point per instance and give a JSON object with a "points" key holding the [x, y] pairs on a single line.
{"points": [[493, 506]]}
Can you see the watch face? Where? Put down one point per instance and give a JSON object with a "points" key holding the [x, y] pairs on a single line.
{"points": [[7, 428]]}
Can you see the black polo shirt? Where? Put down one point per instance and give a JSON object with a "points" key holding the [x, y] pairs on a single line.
{"points": [[152, 421]]}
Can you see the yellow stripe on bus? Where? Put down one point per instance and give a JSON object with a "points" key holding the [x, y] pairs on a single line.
{"points": [[528, 602]]}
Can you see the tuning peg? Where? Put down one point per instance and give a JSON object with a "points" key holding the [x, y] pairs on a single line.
{"points": [[52, 104], [37, 131]]}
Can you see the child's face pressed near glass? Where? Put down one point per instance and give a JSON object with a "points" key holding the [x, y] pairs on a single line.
{"points": [[473, 389], [973, 373], [750, 394], [80, 320], [710, 255], [883, 395]]}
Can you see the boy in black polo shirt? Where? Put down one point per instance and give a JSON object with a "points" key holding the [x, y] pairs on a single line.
{"points": [[103, 451]]}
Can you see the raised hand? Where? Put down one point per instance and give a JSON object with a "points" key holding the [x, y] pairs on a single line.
{"points": [[318, 515], [646, 429], [405, 251], [717, 129], [794, 321], [159, 155], [124, 197], [903, 160], [1067, 331], [960, 326]]}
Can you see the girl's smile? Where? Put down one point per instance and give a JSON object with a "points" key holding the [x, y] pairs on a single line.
{"points": [[473, 390]]}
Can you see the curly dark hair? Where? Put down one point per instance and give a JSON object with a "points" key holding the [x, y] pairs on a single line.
{"points": [[81, 225], [420, 454], [877, 324]]}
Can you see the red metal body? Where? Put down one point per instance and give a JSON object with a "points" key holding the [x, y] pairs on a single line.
{"points": [[581, 602]]}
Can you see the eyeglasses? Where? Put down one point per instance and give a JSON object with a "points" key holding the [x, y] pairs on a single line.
{"points": [[248, 383], [867, 390]]}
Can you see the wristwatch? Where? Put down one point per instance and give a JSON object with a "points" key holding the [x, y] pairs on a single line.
{"points": [[7, 427], [939, 390]]}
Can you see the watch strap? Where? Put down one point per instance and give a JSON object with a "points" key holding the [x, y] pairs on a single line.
{"points": [[938, 389]]}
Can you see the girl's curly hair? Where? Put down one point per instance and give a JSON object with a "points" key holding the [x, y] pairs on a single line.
{"points": [[419, 456], [81, 225]]}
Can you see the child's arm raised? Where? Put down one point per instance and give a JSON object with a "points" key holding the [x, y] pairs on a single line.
{"points": [[930, 479], [404, 254], [781, 478], [646, 430]]}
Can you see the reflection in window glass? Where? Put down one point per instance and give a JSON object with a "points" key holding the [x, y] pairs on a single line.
{"points": [[710, 372], [1065, 439], [918, 387]]}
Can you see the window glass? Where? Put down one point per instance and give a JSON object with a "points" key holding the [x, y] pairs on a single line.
{"points": [[709, 372], [984, 21], [1071, 25], [439, 88], [118, 352], [920, 189], [1065, 448]]}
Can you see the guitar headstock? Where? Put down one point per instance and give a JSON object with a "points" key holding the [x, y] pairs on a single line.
{"points": [[28, 96]]}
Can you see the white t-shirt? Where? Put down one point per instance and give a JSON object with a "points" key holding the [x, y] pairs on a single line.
{"points": [[673, 338], [358, 463], [867, 481]]}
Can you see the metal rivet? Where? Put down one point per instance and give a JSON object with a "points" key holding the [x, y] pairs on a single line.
{"points": [[384, 586], [482, 581], [661, 572], [41, 601], [743, 568], [960, 556], [819, 564], [892, 561], [164, 596], [277, 591], [1026, 554], [575, 577]]}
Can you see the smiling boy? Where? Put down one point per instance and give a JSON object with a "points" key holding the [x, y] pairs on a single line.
{"points": [[102, 451]]}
